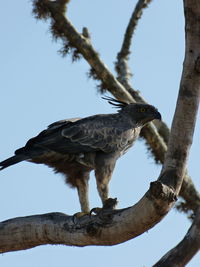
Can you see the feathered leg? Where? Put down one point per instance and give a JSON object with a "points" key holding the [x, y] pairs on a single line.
{"points": [[82, 188], [103, 173], [103, 184]]}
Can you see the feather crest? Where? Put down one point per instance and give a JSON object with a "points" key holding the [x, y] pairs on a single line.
{"points": [[116, 103]]}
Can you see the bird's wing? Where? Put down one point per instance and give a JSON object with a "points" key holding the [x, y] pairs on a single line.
{"points": [[99, 132], [95, 133]]}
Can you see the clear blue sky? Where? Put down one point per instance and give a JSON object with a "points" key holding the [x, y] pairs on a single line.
{"points": [[38, 87]]}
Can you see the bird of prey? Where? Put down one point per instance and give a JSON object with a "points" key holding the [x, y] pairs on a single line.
{"points": [[75, 147]]}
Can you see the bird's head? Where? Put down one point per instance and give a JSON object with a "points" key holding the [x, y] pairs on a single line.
{"points": [[139, 113]]}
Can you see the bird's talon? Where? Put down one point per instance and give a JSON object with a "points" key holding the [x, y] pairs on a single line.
{"points": [[110, 203], [95, 210]]}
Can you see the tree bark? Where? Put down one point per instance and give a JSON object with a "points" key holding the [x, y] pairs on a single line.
{"points": [[108, 227], [188, 99]]}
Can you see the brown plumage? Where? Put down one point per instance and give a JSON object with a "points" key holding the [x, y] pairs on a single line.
{"points": [[75, 147]]}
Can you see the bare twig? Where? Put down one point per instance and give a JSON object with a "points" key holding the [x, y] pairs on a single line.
{"points": [[121, 65], [180, 255]]}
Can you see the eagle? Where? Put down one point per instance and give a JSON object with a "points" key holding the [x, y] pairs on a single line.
{"points": [[75, 147]]}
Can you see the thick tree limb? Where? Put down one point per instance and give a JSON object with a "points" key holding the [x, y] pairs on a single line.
{"points": [[109, 227], [188, 98], [180, 255]]}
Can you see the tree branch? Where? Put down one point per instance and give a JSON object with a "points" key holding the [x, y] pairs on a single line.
{"points": [[108, 227], [121, 65], [188, 99], [180, 255]]}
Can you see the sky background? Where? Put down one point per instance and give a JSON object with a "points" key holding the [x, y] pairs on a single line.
{"points": [[39, 87]]}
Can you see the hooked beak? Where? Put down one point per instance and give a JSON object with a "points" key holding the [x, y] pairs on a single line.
{"points": [[153, 116], [158, 116]]}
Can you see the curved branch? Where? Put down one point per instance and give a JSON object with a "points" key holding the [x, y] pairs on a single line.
{"points": [[186, 249], [58, 228]]}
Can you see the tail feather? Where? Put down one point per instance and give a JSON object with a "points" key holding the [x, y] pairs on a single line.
{"points": [[12, 160]]}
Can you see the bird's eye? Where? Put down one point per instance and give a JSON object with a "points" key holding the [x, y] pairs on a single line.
{"points": [[142, 109]]}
